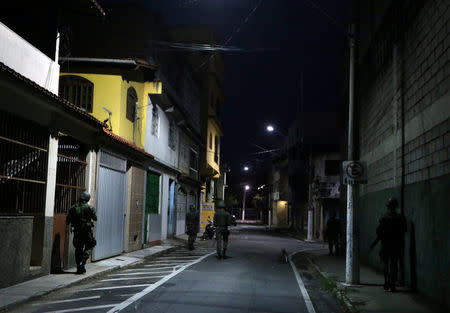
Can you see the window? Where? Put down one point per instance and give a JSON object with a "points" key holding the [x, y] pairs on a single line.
{"points": [[77, 90], [193, 163], [172, 136], [332, 167], [132, 100], [216, 149], [210, 141], [155, 121]]}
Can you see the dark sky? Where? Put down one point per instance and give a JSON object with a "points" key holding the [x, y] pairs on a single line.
{"points": [[264, 87]]}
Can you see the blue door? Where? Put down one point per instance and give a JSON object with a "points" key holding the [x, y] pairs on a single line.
{"points": [[171, 211]]}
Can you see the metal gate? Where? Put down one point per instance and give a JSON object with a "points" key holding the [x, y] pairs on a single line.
{"points": [[111, 206]]}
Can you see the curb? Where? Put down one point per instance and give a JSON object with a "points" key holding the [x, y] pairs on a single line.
{"points": [[10, 306], [337, 292]]}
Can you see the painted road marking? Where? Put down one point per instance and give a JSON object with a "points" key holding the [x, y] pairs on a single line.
{"points": [[117, 287], [149, 289], [68, 300], [147, 269], [139, 273], [131, 278], [301, 285], [86, 308], [172, 263]]}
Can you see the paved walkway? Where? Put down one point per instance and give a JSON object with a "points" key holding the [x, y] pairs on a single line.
{"points": [[369, 296], [31, 289]]}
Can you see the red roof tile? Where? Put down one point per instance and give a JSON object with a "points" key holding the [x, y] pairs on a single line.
{"points": [[127, 143]]}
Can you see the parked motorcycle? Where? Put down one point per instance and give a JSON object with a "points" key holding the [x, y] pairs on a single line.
{"points": [[209, 232]]}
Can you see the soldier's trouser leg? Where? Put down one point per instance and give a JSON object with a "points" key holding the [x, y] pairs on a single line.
{"points": [[219, 236], [225, 245], [330, 246], [191, 241], [393, 270]]}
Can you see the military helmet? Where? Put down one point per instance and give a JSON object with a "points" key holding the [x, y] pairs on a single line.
{"points": [[85, 196], [392, 203], [220, 204]]}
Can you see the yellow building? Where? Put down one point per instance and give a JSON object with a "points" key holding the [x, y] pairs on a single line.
{"points": [[114, 91]]}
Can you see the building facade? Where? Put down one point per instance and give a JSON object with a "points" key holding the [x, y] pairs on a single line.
{"points": [[403, 116]]}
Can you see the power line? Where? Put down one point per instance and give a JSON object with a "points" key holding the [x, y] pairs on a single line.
{"points": [[234, 32]]}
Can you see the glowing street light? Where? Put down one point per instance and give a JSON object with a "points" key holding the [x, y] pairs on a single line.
{"points": [[247, 187], [246, 168], [270, 128]]}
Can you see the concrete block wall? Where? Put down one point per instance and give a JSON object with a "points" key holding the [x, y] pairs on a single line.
{"points": [[404, 126]]}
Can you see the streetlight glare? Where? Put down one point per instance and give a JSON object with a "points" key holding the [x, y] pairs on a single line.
{"points": [[247, 187], [246, 168], [270, 128]]}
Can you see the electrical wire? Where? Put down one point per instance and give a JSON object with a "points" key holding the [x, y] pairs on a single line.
{"points": [[234, 32]]}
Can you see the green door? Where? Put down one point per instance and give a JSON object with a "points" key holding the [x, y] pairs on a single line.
{"points": [[152, 200]]}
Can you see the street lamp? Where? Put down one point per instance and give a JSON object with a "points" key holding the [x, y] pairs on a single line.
{"points": [[247, 187], [270, 128], [246, 168]]}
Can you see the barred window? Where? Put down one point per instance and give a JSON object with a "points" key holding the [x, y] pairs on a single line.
{"points": [[155, 120], [132, 99], [77, 90], [172, 135], [216, 149]]}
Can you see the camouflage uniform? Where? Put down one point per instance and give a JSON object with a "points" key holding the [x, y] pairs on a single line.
{"points": [[192, 227], [222, 219], [333, 231], [390, 231], [81, 217]]}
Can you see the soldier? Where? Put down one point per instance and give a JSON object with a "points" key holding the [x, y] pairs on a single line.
{"points": [[332, 233], [390, 231], [80, 218], [222, 219], [191, 226]]}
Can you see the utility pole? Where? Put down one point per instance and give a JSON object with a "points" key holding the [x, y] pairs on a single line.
{"points": [[352, 255], [243, 204]]}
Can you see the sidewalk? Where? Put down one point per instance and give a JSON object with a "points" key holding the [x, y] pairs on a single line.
{"points": [[16, 294], [369, 296]]}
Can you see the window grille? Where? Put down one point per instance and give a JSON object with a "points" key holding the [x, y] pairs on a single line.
{"points": [[23, 166], [172, 136], [193, 163], [155, 120], [216, 149], [77, 90], [132, 99]]}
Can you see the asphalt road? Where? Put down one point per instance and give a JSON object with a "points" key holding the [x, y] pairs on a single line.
{"points": [[253, 279]]}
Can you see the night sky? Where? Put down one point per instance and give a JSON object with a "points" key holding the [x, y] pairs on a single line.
{"points": [[264, 87]]}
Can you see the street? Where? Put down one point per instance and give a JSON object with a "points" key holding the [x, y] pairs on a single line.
{"points": [[252, 279]]}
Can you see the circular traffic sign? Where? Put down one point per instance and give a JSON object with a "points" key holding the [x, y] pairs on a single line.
{"points": [[354, 170]]}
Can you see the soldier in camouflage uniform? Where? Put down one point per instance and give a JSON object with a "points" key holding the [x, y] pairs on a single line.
{"points": [[192, 226], [222, 219], [80, 218], [390, 232]]}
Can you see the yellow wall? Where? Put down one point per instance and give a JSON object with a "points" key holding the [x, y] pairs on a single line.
{"points": [[212, 129], [110, 91]]}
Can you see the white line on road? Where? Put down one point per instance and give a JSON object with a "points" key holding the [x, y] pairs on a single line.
{"points": [[131, 278], [68, 300], [117, 287], [86, 308], [171, 263], [140, 273], [301, 285], [149, 289], [138, 269]]}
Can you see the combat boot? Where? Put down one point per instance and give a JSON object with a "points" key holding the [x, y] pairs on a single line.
{"points": [[224, 254], [80, 270], [219, 256]]}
